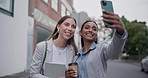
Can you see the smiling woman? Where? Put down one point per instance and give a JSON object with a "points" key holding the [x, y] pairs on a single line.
{"points": [[88, 26], [92, 61], [59, 48]]}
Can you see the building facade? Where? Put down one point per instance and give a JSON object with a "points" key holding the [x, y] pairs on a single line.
{"points": [[13, 36], [24, 23]]}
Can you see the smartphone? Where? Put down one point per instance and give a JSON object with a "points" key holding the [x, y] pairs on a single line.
{"points": [[107, 5]]}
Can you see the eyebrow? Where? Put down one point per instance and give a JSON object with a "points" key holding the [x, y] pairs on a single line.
{"points": [[69, 23], [92, 26]]}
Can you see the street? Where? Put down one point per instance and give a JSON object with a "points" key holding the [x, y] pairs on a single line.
{"points": [[118, 69]]}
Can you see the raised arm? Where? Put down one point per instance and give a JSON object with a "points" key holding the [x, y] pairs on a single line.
{"points": [[119, 38]]}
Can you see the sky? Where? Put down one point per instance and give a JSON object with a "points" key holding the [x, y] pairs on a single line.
{"points": [[131, 9]]}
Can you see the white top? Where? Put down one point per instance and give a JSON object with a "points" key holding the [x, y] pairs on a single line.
{"points": [[59, 55], [40, 52]]}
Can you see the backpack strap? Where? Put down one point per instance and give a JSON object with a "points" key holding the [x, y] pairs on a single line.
{"points": [[42, 71]]}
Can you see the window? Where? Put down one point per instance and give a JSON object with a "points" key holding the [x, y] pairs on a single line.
{"points": [[42, 34], [63, 10], [55, 5], [6, 7], [46, 1], [67, 12]]}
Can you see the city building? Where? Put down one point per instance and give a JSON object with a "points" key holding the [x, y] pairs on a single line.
{"points": [[13, 36], [24, 23]]}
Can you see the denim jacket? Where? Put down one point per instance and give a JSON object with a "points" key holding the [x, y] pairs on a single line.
{"points": [[96, 62]]}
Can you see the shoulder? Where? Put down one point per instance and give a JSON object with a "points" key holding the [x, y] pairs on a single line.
{"points": [[69, 46], [71, 49], [40, 44], [43, 43], [103, 43]]}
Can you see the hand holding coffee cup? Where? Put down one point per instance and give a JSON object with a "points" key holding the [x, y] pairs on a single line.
{"points": [[74, 69]]}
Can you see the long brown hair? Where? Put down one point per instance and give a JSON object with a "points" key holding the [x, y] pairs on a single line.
{"points": [[55, 33]]}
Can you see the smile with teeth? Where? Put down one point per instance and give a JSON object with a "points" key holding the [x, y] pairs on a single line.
{"points": [[89, 35], [68, 33]]}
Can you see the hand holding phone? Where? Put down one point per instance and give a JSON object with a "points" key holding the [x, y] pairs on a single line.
{"points": [[107, 5], [111, 20]]}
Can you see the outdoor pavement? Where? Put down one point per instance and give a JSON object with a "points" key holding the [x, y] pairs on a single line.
{"points": [[25, 74], [138, 63]]}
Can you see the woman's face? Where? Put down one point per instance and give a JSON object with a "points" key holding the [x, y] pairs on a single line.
{"points": [[89, 31], [67, 29]]}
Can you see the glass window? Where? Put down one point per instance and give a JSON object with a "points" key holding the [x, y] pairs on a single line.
{"points": [[42, 34], [55, 5], [67, 12], [6, 6], [63, 10], [46, 1]]}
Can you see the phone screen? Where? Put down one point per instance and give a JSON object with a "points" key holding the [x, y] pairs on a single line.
{"points": [[107, 5]]}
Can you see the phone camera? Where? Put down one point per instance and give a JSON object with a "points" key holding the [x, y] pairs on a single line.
{"points": [[104, 3]]}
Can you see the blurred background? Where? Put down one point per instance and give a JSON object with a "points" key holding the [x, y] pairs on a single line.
{"points": [[24, 23]]}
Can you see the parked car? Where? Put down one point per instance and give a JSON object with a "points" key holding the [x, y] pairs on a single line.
{"points": [[144, 64]]}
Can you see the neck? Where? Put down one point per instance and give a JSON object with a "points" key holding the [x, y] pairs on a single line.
{"points": [[60, 43], [87, 46]]}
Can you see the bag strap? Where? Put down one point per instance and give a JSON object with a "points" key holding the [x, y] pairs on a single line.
{"points": [[42, 71]]}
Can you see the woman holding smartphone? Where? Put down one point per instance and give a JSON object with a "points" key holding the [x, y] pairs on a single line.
{"points": [[92, 61]]}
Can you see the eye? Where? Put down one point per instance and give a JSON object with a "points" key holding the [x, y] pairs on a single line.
{"points": [[86, 27], [94, 28], [66, 24], [74, 26]]}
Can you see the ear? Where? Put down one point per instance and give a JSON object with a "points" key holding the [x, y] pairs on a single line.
{"points": [[80, 33], [58, 28]]}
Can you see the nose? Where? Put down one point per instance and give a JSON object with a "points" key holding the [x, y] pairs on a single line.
{"points": [[69, 28], [90, 29]]}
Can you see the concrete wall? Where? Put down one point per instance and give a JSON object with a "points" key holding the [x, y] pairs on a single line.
{"points": [[13, 39]]}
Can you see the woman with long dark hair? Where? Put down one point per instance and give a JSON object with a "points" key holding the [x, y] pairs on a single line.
{"points": [[93, 57]]}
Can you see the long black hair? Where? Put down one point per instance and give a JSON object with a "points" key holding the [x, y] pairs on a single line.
{"points": [[82, 42]]}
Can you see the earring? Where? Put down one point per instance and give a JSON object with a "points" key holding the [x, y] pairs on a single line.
{"points": [[58, 30]]}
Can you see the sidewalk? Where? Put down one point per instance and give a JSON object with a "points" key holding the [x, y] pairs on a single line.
{"points": [[24, 74]]}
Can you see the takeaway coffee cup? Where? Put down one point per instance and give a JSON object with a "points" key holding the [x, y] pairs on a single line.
{"points": [[74, 66]]}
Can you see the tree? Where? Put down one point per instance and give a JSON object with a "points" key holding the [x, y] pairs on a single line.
{"points": [[136, 44]]}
